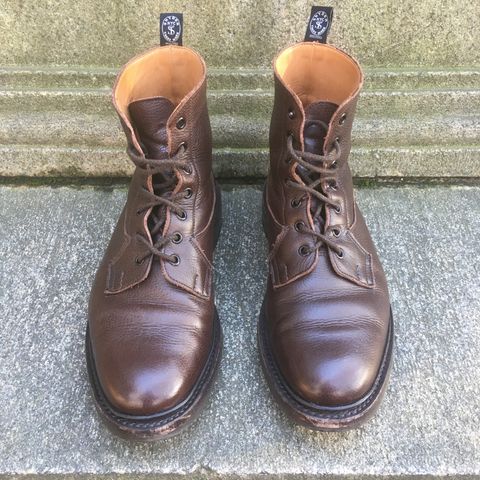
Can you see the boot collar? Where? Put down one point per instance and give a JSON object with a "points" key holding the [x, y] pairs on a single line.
{"points": [[150, 75], [293, 75]]}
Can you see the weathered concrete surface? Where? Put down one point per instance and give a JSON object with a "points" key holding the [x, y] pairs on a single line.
{"points": [[252, 103], [77, 129], [60, 121], [238, 33], [43, 77], [430, 162], [429, 424]]}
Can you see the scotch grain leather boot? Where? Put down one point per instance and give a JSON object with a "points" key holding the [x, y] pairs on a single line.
{"points": [[154, 339], [325, 329]]}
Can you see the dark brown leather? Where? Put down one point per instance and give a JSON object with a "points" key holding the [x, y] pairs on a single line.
{"points": [[151, 322], [326, 317]]}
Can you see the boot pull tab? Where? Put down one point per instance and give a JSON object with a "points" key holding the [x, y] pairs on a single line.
{"points": [[319, 24], [171, 29]]}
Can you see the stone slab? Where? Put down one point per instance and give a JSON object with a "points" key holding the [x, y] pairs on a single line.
{"points": [[77, 129], [240, 78], [51, 240], [237, 33], [381, 163], [417, 103]]}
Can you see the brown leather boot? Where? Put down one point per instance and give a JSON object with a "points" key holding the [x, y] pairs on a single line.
{"points": [[153, 337], [325, 331]]}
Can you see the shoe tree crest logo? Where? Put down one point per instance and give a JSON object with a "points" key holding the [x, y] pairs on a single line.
{"points": [[171, 28], [319, 24]]}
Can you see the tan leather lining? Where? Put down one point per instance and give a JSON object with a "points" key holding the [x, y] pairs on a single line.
{"points": [[317, 72], [170, 72]]}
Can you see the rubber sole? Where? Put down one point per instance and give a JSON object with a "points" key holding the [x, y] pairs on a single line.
{"points": [[314, 416], [164, 424]]}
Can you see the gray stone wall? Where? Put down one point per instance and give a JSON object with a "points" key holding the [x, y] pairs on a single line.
{"points": [[417, 117], [240, 33]]}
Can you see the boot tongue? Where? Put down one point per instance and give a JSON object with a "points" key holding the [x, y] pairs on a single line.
{"points": [[314, 136], [149, 118], [313, 132]]}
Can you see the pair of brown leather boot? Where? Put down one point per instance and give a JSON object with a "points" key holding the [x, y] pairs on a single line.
{"points": [[325, 332]]}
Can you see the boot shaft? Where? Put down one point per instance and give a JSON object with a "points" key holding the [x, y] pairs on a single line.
{"points": [[160, 97], [316, 92], [314, 83]]}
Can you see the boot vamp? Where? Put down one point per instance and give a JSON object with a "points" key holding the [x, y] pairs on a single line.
{"points": [[150, 343], [328, 335]]}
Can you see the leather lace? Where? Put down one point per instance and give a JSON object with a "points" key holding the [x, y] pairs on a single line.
{"points": [[324, 168], [160, 200]]}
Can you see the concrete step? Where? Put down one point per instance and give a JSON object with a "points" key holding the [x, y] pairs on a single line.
{"points": [[51, 240], [77, 129], [253, 103], [50, 77], [70, 144], [390, 163], [59, 121]]}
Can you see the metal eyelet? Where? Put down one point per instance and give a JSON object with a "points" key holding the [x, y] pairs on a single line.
{"points": [[337, 208], [304, 250], [139, 261], [181, 122], [335, 232], [340, 254], [175, 260], [291, 113], [295, 203], [332, 185], [138, 212], [182, 216], [187, 170], [299, 225], [342, 118], [183, 145], [188, 193], [177, 237]]}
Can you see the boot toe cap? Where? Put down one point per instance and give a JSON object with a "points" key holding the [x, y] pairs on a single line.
{"points": [[145, 390], [330, 370], [149, 375], [332, 382]]}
